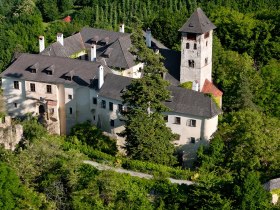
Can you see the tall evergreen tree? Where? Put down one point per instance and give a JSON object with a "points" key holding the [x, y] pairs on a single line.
{"points": [[147, 137]]}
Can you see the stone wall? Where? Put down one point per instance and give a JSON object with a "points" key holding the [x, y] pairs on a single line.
{"points": [[10, 135]]}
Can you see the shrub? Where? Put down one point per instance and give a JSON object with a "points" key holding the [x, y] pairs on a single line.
{"points": [[92, 136], [32, 129]]}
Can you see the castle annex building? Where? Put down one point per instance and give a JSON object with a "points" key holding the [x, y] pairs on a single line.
{"points": [[82, 77]]}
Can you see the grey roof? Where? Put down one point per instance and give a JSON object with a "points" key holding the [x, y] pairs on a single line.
{"points": [[113, 86], [272, 184], [120, 43], [191, 102], [198, 23], [84, 73], [71, 45], [183, 100]]}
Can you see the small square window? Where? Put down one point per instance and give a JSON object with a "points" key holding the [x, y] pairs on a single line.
{"points": [[16, 85], [70, 97], [110, 106], [192, 140], [49, 89], [187, 45], [192, 123], [32, 87], [191, 63], [103, 104], [94, 100], [33, 70], [112, 123], [120, 107], [194, 46], [177, 120]]}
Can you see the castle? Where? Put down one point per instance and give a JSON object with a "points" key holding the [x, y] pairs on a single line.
{"points": [[82, 77]]}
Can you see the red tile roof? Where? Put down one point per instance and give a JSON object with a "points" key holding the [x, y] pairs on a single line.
{"points": [[209, 87], [67, 19]]}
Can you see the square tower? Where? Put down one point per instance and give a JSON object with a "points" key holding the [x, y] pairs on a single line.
{"points": [[196, 49]]}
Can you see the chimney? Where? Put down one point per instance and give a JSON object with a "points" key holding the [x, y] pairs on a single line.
{"points": [[100, 76], [121, 29], [195, 85], [148, 37], [93, 52], [41, 43], [59, 38]]}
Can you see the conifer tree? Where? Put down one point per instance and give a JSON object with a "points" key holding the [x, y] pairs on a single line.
{"points": [[147, 136]]}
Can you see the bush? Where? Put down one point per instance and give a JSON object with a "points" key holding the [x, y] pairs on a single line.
{"points": [[32, 129], [92, 136], [136, 165]]}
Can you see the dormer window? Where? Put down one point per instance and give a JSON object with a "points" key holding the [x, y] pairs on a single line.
{"points": [[108, 52], [50, 70], [69, 76], [34, 68]]}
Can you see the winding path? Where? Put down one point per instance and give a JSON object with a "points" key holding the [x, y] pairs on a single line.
{"points": [[133, 173]]}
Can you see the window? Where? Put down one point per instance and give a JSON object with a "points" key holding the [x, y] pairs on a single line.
{"points": [[191, 63], [206, 35], [165, 118], [192, 123], [70, 110], [32, 87], [194, 46], [110, 106], [187, 45], [191, 36], [193, 140], [33, 70], [49, 72], [49, 89], [70, 97], [51, 111], [15, 105], [94, 100], [120, 107], [206, 61], [16, 84], [112, 123], [103, 104], [177, 120], [93, 117], [206, 43]]}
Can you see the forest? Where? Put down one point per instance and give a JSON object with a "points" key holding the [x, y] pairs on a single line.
{"points": [[47, 172]]}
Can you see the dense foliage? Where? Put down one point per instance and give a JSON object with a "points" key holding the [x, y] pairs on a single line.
{"points": [[147, 136]]}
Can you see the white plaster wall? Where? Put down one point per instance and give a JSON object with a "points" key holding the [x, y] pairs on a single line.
{"points": [[201, 71], [41, 91], [70, 118], [210, 126], [184, 130], [133, 72]]}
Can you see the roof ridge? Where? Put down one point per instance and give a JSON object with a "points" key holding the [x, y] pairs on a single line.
{"points": [[123, 51]]}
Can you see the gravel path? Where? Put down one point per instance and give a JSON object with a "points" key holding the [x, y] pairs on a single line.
{"points": [[133, 173]]}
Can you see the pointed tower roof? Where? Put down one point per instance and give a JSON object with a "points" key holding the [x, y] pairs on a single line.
{"points": [[198, 23]]}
